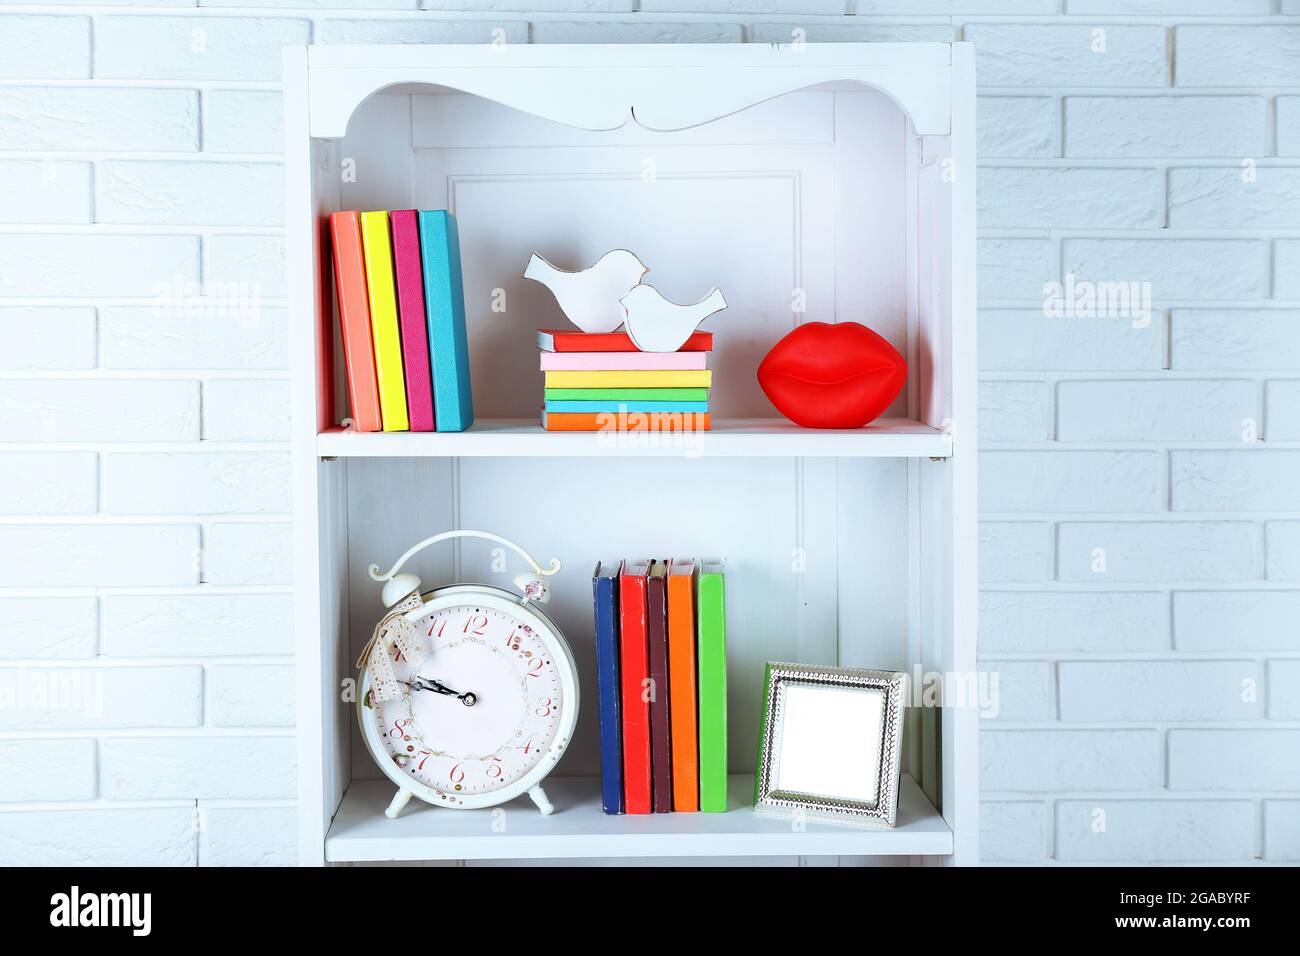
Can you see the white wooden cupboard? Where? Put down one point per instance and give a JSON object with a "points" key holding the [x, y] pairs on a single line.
{"points": [[828, 182]]}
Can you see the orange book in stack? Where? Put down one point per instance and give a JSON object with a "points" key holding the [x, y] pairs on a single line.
{"points": [[626, 421]]}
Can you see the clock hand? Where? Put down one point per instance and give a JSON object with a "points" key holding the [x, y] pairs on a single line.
{"points": [[469, 698]]}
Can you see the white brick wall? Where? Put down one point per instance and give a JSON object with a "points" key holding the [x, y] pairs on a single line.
{"points": [[1139, 554], [207, 767], [195, 625], [53, 118], [1175, 830], [50, 628], [1140, 559], [45, 192]]}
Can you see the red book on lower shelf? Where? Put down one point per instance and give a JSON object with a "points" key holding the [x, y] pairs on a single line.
{"points": [[661, 741], [634, 665]]}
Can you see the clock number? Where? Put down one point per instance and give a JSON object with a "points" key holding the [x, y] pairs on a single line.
{"points": [[440, 625], [528, 744], [399, 728], [479, 624], [512, 640], [423, 755], [457, 775], [535, 668], [544, 707], [494, 769]]}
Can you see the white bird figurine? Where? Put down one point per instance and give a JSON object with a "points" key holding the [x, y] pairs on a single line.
{"points": [[590, 298], [657, 325]]}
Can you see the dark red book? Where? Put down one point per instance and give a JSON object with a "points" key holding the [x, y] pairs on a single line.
{"points": [[557, 340], [661, 728], [634, 677]]}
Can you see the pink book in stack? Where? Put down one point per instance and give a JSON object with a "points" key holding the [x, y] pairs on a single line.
{"points": [[410, 310], [622, 361]]}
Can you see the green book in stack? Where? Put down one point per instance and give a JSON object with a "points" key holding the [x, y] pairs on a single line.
{"points": [[627, 394]]}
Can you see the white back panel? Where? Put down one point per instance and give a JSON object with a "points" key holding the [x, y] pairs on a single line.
{"points": [[804, 192], [793, 220]]}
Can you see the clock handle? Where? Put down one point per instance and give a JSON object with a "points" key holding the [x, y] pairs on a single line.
{"points": [[398, 586]]}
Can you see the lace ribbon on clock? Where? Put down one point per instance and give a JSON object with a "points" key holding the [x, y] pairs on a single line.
{"points": [[393, 630]]}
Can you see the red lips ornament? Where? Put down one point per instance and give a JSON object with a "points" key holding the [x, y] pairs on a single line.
{"points": [[832, 376]]}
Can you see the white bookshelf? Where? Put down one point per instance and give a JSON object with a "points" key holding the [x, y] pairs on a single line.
{"points": [[843, 171]]}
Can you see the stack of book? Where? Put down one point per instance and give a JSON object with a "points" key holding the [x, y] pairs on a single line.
{"points": [[402, 318], [600, 381], [661, 679]]}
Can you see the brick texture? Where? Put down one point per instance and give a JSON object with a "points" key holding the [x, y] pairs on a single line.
{"points": [[1140, 550]]}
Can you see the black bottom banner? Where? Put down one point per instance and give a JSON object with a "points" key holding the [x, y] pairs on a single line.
{"points": [[342, 905]]}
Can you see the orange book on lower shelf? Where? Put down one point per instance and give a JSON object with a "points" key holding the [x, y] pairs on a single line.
{"points": [[681, 678], [625, 421]]}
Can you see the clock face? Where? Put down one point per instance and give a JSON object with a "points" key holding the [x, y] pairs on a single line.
{"points": [[484, 710]]}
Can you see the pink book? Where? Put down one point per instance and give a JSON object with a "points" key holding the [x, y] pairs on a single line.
{"points": [[410, 311], [622, 361]]}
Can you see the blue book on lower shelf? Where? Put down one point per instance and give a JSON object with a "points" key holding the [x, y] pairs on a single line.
{"points": [[604, 587], [444, 307]]}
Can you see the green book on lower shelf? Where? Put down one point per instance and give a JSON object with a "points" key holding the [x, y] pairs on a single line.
{"points": [[711, 678]]}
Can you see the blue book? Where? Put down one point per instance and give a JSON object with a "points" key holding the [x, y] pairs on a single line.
{"points": [[604, 587], [568, 405], [444, 307]]}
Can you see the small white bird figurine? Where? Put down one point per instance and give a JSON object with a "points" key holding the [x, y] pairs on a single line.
{"points": [[590, 298], [657, 325]]}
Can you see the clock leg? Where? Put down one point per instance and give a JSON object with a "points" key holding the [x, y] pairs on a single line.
{"points": [[539, 798], [400, 800]]}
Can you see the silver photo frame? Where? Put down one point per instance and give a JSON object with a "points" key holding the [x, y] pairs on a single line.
{"points": [[830, 742]]}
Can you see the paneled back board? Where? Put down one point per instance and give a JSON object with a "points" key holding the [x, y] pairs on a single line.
{"points": [[752, 204]]}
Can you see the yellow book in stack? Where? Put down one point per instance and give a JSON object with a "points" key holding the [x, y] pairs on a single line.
{"points": [[383, 320], [664, 378]]}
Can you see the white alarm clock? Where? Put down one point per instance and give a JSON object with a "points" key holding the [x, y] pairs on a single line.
{"points": [[469, 693]]}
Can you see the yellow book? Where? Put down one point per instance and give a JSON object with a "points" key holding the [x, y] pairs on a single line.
{"points": [[383, 320], [637, 378]]}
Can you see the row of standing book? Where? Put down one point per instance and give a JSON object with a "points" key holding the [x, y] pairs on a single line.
{"points": [[661, 675], [600, 380], [402, 317]]}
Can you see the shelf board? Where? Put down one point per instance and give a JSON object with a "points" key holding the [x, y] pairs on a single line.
{"points": [[752, 437], [360, 831]]}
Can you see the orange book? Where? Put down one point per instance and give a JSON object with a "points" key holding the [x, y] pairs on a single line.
{"points": [[681, 678], [625, 422], [354, 320]]}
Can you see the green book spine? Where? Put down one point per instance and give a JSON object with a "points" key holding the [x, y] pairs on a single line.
{"points": [[711, 604], [627, 394]]}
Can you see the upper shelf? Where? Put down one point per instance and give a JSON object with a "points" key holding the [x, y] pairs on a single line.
{"points": [[752, 437], [658, 86]]}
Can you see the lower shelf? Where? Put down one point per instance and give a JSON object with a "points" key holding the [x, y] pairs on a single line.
{"points": [[361, 833]]}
